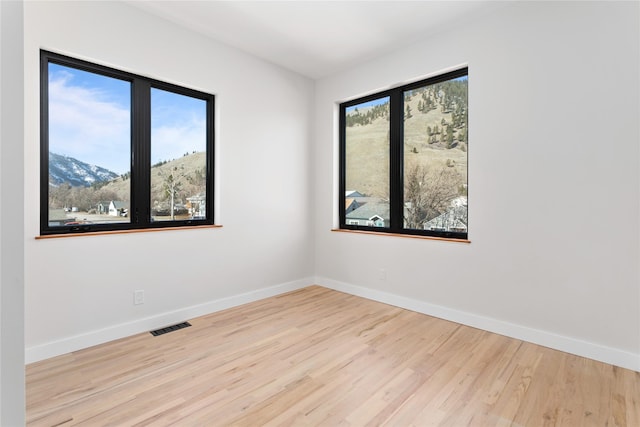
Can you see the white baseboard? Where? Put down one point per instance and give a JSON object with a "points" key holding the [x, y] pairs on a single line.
{"points": [[548, 339], [89, 339], [578, 347]]}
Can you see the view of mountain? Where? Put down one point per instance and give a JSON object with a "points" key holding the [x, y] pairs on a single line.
{"points": [[186, 175], [75, 172]]}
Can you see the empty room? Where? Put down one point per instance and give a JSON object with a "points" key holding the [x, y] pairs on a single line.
{"points": [[319, 213]]}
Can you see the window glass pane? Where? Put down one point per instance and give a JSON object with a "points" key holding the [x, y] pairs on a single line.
{"points": [[178, 156], [367, 163], [435, 156], [89, 147]]}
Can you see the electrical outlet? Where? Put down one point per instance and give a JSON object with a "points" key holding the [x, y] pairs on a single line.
{"points": [[382, 274], [138, 297]]}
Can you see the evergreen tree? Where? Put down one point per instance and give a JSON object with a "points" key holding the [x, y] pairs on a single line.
{"points": [[462, 135], [449, 136], [408, 113]]}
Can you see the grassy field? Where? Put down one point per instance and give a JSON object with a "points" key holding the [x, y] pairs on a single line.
{"points": [[367, 158]]}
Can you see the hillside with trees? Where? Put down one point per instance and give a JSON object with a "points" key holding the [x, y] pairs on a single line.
{"points": [[180, 178]]}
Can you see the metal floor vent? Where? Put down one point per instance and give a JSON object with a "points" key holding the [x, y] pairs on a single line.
{"points": [[170, 329]]}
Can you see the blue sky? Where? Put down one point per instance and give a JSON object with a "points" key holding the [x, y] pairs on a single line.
{"points": [[89, 119], [178, 125]]}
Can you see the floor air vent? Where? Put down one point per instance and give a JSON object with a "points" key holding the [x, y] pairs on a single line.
{"points": [[170, 329]]}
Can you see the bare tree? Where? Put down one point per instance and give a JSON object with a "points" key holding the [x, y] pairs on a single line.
{"points": [[172, 185], [428, 192], [197, 181], [60, 196]]}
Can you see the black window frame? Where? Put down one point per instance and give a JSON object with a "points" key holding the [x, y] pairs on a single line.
{"points": [[140, 151], [396, 159]]}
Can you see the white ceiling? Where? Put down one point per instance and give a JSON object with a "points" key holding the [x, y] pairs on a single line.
{"points": [[316, 38]]}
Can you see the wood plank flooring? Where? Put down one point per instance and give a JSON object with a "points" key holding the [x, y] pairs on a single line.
{"points": [[321, 357]]}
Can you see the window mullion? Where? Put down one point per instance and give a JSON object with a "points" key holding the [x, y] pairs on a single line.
{"points": [[140, 153], [396, 160]]}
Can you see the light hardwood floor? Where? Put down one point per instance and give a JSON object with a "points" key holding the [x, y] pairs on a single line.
{"points": [[321, 357]]}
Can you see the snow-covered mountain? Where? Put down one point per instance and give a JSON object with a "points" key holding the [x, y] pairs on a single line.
{"points": [[79, 174]]}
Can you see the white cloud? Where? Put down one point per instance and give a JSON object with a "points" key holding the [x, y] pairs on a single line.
{"points": [[171, 142], [84, 123]]}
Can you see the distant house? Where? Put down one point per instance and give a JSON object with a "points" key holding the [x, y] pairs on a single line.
{"points": [[118, 208], [374, 213], [197, 206], [455, 220], [354, 200], [102, 208]]}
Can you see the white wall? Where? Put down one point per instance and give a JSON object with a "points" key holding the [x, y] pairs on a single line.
{"points": [[79, 290], [553, 181], [12, 399]]}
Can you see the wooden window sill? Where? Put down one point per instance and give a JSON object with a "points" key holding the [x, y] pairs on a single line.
{"points": [[411, 236], [142, 230]]}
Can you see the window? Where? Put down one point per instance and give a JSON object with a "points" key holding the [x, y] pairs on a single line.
{"points": [[121, 151], [403, 159]]}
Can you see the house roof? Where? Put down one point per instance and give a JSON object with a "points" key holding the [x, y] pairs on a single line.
{"points": [[119, 204], [371, 209]]}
